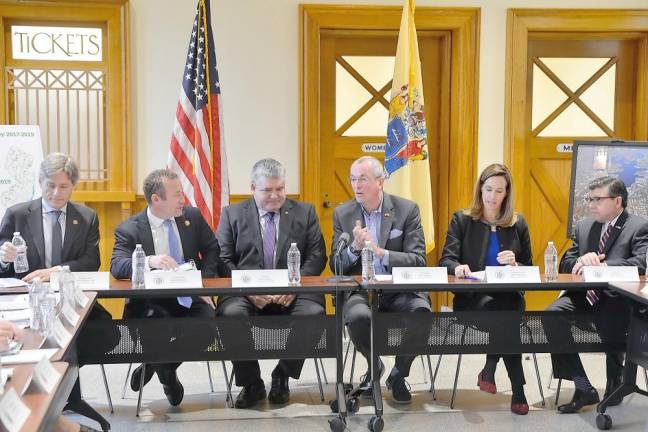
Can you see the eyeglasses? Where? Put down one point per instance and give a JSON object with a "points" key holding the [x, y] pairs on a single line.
{"points": [[595, 199]]}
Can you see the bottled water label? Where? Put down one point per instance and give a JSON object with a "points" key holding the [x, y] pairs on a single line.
{"points": [[294, 264]]}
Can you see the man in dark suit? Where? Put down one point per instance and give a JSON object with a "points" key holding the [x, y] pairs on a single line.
{"points": [[57, 231], [170, 234], [611, 236], [256, 234], [393, 226]]}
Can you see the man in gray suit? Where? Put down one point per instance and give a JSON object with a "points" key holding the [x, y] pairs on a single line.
{"points": [[393, 226], [256, 234], [612, 237], [58, 232]]}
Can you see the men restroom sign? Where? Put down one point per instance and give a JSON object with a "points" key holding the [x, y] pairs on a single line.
{"points": [[56, 43]]}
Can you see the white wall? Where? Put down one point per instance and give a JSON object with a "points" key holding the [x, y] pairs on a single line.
{"points": [[257, 53]]}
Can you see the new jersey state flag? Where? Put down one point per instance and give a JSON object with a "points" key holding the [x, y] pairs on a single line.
{"points": [[406, 151]]}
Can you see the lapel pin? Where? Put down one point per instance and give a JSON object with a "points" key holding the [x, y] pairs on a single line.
{"points": [[187, 223], [75, 222], [386, 214], [286, 212]]}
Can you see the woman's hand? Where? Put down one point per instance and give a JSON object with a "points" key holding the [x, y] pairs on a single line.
{"points": [[462, 271], [506, 257]]}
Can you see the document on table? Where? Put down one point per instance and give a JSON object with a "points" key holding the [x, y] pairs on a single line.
{"points": [[11, 282], [14, 302], [29, 356]]}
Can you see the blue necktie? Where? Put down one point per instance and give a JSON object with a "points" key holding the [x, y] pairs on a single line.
{"points": [[174, 252]]}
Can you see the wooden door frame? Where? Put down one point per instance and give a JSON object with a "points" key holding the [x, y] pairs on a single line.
{"points": [[522, 22], [462, 23]]}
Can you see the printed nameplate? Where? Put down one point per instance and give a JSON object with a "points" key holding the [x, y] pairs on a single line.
{"points": [[512, 274], [69, 314], [59, 333], [13, 412], [173, 279], [420, 275], [81, 298], [44, 377], [87, 281], [259, 278], [611, 274]]}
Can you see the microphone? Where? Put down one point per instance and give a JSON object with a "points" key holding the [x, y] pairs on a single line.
{"points": [[343, 241]]}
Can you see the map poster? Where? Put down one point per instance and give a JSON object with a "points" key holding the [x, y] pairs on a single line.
{"points": [[21, 154], [626, 160]]}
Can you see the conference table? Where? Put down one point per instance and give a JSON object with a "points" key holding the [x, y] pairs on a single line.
{"points": [[227, 332], [636, 347], [47, 407]]}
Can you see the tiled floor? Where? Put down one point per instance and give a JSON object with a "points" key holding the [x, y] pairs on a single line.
{"points": [[203, 410]]}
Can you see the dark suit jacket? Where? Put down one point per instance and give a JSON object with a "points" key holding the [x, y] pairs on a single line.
{"points": [[80, 245], [467, 242], [626, 245], [401, 233], [198, 243], [239, 236]]}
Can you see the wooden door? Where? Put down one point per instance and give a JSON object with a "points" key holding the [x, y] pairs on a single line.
{"points": [[578, 87], [356, 69]]}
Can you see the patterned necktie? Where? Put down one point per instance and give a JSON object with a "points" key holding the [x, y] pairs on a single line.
{"points": [[57, 239], [592, 296], [269, 239], [174, 252]]}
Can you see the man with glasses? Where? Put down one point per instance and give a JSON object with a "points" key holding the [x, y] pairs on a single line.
{"points": [[393, 226], [170, 234], [256, 234], [611, 236]]}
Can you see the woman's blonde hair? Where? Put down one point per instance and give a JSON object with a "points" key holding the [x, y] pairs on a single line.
{"points": [[507, 216]]}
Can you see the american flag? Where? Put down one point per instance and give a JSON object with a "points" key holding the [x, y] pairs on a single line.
{"points": [[197, 152]]}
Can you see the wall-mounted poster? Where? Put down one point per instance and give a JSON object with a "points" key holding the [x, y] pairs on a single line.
{"points": [[627, 160], [21, 154]]}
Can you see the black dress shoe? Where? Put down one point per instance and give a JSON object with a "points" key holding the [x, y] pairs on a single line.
{"points": [[613, 384], [173, 388], [250, 395], [279, 391], [365, 381], [136, 376], [580, 399], [400, 389]]}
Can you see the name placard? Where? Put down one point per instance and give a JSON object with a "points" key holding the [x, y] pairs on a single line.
{"points": [[512, 274], [59, 334], [611, 274], [173, 279], [81, 298], [259, 278], [69, 314], [13, 412], [44, 377], [87, 281], [420, 275]]}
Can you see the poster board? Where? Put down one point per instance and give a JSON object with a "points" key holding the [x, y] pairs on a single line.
{"points": [[21, 154], [627, 160]]}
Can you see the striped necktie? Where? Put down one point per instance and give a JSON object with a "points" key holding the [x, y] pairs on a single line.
{"points": [[592, 296], [269, 239]]}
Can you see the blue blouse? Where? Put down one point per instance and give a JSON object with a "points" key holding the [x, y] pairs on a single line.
{"points": [[492, 250]]}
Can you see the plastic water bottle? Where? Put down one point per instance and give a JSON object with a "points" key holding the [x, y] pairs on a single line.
{"points": [[551, 263], [36, 293], [294, 264], [139, 266], [21, 265], [67, 287], [367, 263]]}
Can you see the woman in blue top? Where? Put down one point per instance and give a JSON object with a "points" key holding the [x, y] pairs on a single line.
{"points": [[490, 233]]}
